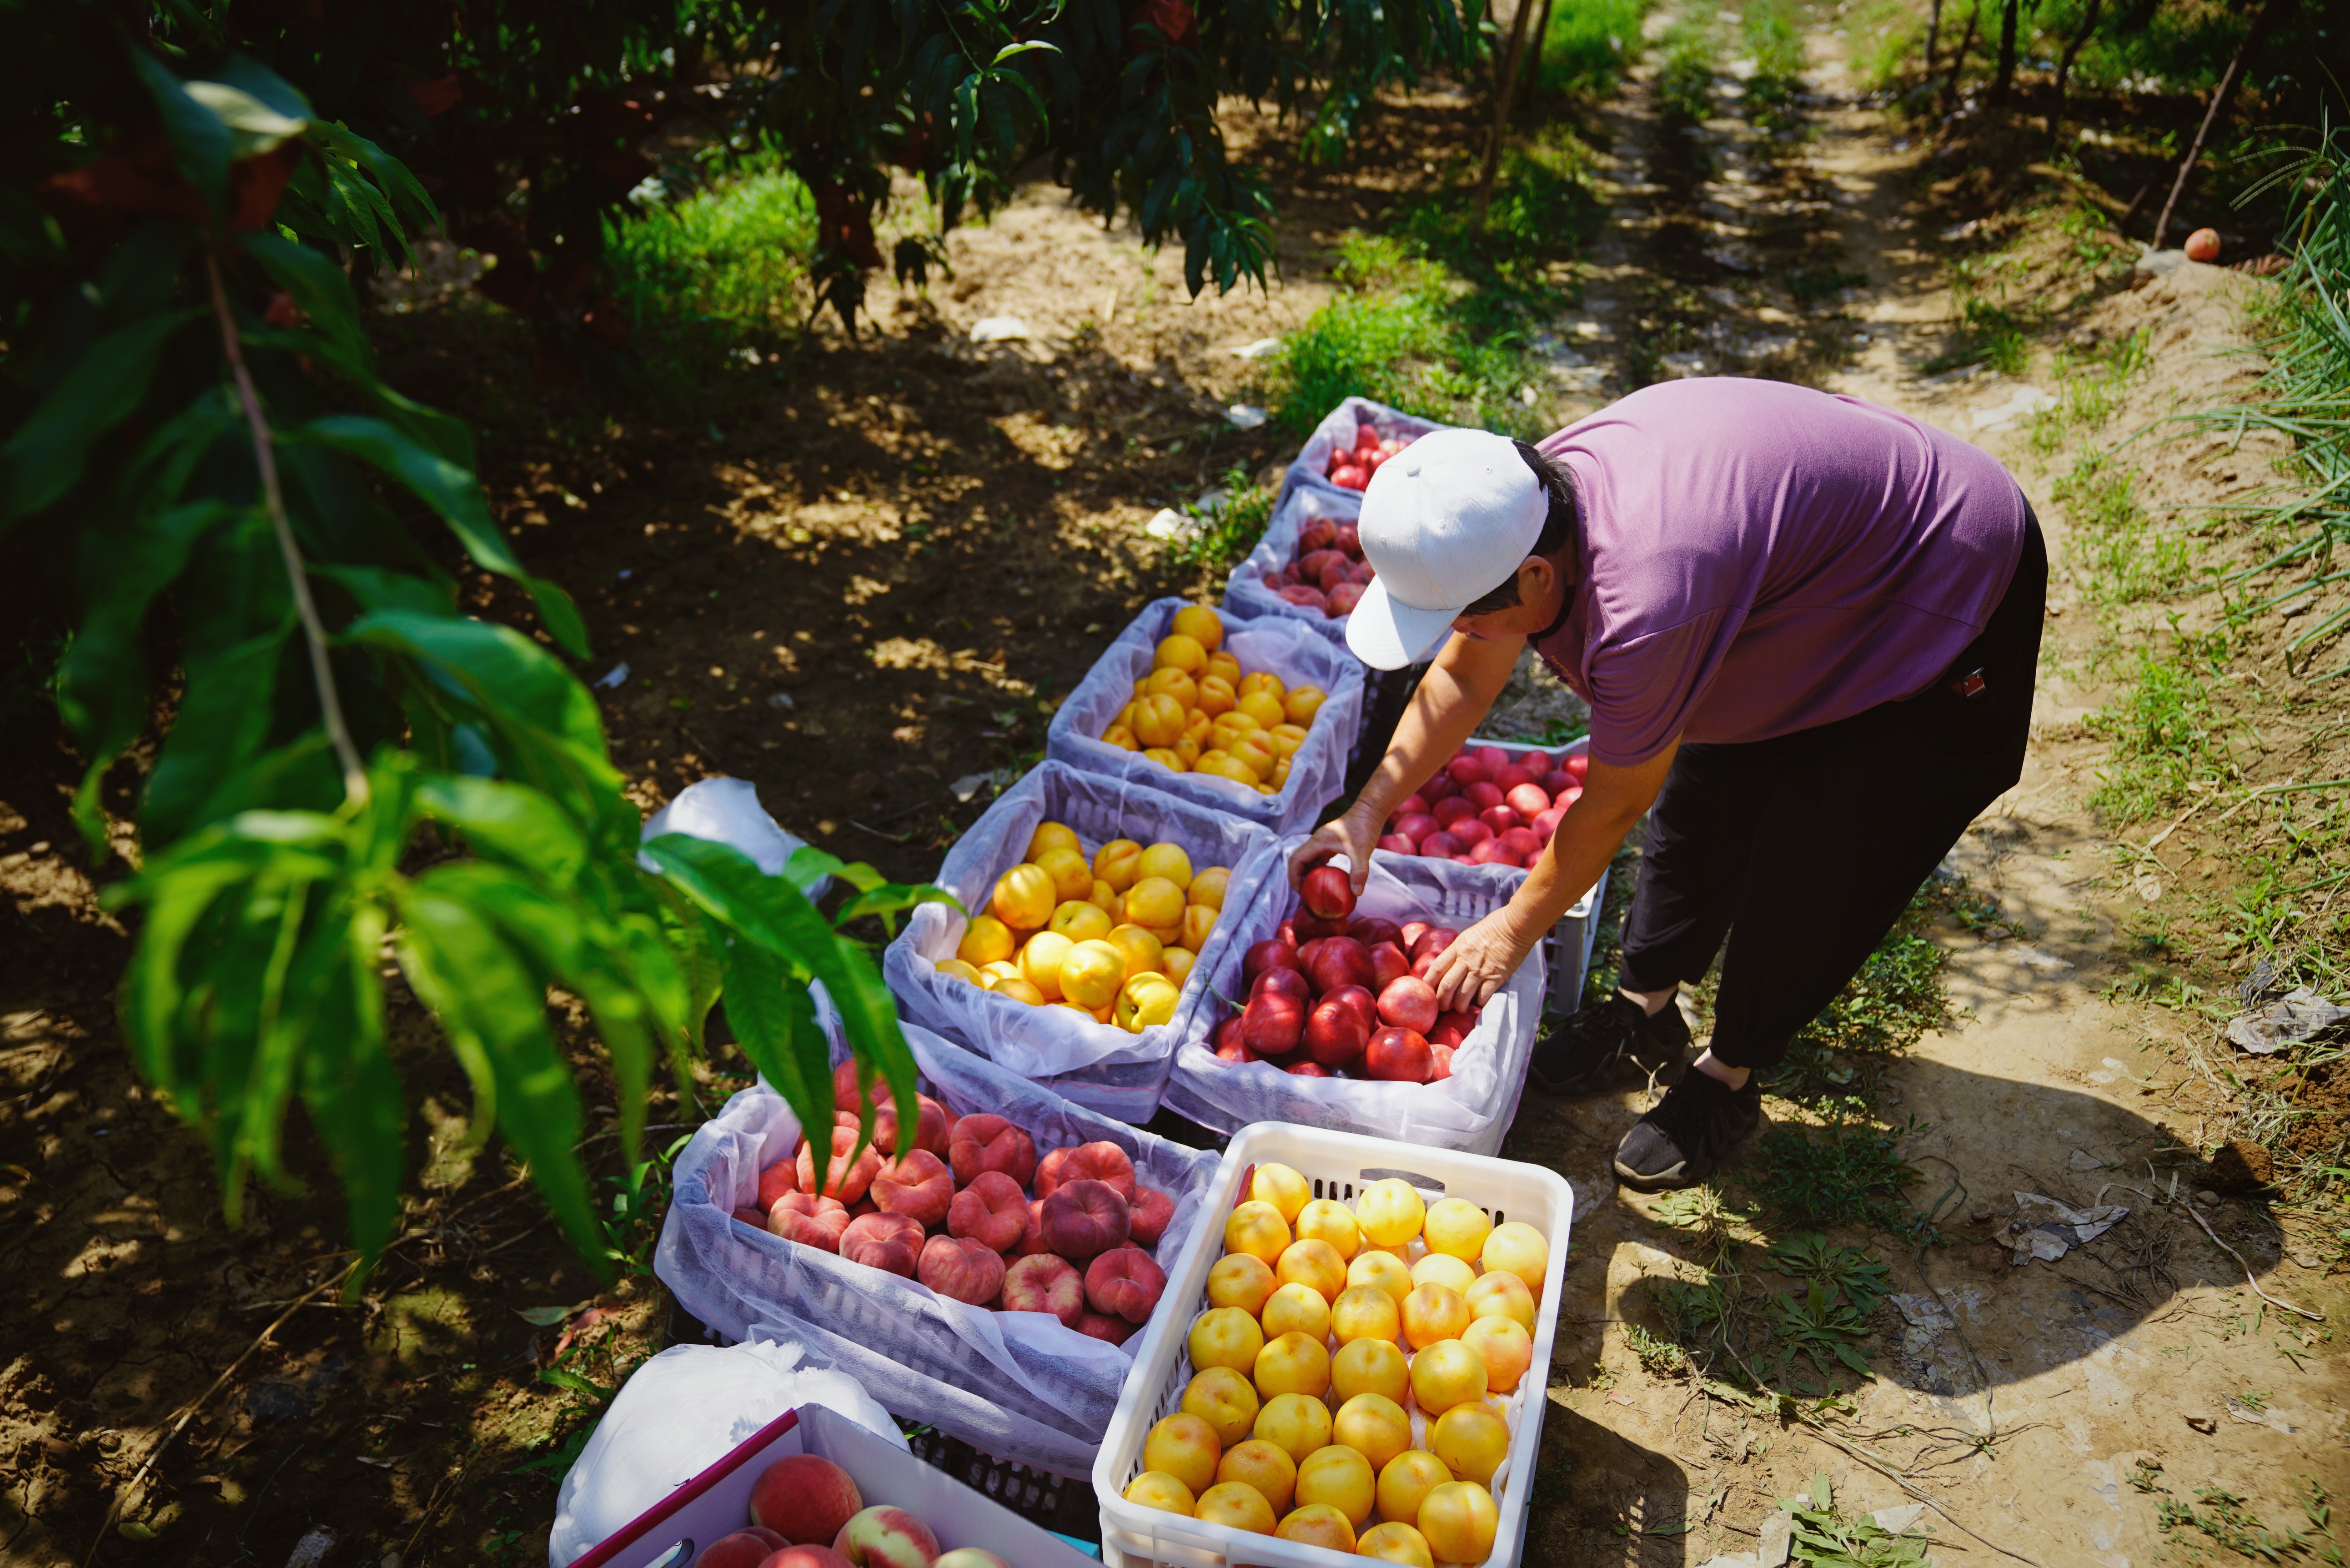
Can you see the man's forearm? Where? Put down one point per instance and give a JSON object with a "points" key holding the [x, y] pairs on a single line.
{"points": [[1588, 836], [1453, 697]]}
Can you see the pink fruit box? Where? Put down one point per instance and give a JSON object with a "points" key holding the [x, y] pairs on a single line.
{"points": [[717, 1503]]}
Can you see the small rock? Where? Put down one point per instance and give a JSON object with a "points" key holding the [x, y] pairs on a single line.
{"points": [[1980, 1213], [312, 1549], [2208, 1199], [2203, 1423], [999, 329], [1246, 416], [2304, 1257], [2240, 1166]]}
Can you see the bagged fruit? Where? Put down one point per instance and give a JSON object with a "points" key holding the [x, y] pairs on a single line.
{"points": [[1229, 739], [683, 1411], [1027, 1383], [1347, 1030], [1113, 1070]]}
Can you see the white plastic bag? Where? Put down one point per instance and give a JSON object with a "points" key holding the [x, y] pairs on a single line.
{"points": [[727, 810], [1306, 493], [1018, 1386], [1299, 655], [1098, 1066], [681, 1413], [1470, 1111]]}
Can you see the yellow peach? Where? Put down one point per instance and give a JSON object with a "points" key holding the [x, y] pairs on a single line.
{"points": [[1257, 1228], [1144, 1001], [1441, 1269], [1328, 1219], [1296, 1424], [1154, 902], [1446, 1374], [1258, 753], [1040, 962], [1121, 737], [1241, 1507], [1473, 1441], [1144, 953], [1001, 970], [1502, 1296], [1079, 919], [1432, 1312], [1225, 1336], [1202, 625], [956, 969], [1382, 1269], [1282, 1187], [1158, 719], [1072, 877], [1050, 835], [1157, 1489], [1185, 1447], [1220, 764], [1221, 1398], [1286, 739], [1019, 989], [1374, 1425], [1364, 1311], [1297, 1363], [1406, 1482], [1315, 1264], [1179, 962], [1342, 1478], [1319, 1524], [1208, 884], [1114, 863], [1263, 707], [1023, 897], [986, 941], [1168, 758], [1166, 861], [1179, 651], [1517, 1248], [1197, 923], [1242, 1280], [1459, 1520], [1264, 1466], [1105, 898], [1390, 1211], [1260, 680], [1216, 696], [1457, 1228], [1177, 687], [1297, 1309], [1505, 1346], [1302, 702], [1092, 973], [1369, 1366], [1396, 1541], [1221, 663], [1198, 729]]}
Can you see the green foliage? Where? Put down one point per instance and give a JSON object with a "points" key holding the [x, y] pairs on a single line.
{"points": [[2163, 727], [1230, 530], [732, 255], [1771, 35], [2124, 556], [2225, 1521], [1658, 1357], [1589, 45], [351, 773], [1691, 48], [1826, 1536], [1753, 1338], [1858, 1277], [1845, 1173]]}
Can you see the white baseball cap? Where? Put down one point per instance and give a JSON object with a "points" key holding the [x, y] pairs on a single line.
{"points": [[1445, 521]]}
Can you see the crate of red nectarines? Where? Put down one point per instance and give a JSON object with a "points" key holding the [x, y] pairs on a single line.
{"points": [[813, 1490], [979, 1267], [1309, 564], [1356, 1366], [1087, 903], [1326, 1019], [1498, 803], [1254, 718]]}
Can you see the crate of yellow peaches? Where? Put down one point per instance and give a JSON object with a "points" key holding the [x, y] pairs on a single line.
{"points": [[1253, 717], [1088, 908], [1354, 1370]]}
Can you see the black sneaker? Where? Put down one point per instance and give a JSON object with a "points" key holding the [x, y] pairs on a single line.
{"points": [[1685, 1135], [1577, 1055]]}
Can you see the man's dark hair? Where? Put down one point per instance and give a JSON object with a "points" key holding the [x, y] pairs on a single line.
{"points": [[1557, 529]]}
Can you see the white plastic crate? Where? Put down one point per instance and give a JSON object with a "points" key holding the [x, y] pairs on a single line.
{"points": [[1576, 931], [1338, 1165]]}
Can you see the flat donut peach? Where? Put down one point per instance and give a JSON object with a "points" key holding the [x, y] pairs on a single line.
{"points": [[920, 1187], [971, 1272], [991, 1210], [1152, 1210], [888, 1241], [1098, 1161], [930, 1129], [844, 1178], [809, 1220], [1084, 1219], [778, 1179], [1124, 1282], [988, 1142]]}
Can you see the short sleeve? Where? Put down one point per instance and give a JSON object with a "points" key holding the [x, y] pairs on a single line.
{"points": [[1643, 690]]}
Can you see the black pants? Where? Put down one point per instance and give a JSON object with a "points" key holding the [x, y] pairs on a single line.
{"points": [[1805, 848]]}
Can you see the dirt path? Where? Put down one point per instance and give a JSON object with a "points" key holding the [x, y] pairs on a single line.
{"points": [[2047, 1409]]}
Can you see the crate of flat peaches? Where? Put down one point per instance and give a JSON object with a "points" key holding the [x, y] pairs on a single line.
{"points": [[1255, 718], [1352, 1371]]}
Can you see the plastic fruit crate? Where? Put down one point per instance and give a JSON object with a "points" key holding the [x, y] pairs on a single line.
{"points": [[1337, 1165], [1577, 930]]}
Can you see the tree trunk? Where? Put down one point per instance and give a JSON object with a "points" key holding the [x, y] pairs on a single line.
{"points": [[1534, 67], [2004, 83], [1933, 35], [1959, 61], [2271, 13], [2065, 67], [1503, 91]]}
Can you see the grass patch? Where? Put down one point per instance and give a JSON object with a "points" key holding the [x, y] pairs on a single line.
{"points": [[1887, 42], [1691, 52], [726, 263], [1845, 1173], [2123, 555], [2164, 731], [1769, 32], [1228, 531], [1589, 46], [1812, 284]]}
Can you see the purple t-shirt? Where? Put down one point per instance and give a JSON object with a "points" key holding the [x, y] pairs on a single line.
{"points": [[1759, 559]]}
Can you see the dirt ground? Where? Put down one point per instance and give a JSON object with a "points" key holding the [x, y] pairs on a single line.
{"points": [[866, 576]]}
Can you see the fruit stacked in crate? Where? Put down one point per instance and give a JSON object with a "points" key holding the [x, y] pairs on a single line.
{"points": [[1113, 938], [1487, 807], [808, 1512], [1331, 995], [1350, 468], [1199, 711], [965, 1207], [1352, 1373]]}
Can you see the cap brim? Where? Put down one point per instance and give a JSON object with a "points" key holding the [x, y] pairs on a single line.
{"points": [[1386, 635]]}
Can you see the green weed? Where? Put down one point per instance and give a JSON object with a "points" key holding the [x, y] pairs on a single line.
{"points": [[1589, 46], [732, 256], [1861, 1278], [2123, 558], [1691, 48], [2224, 1521], [1847, 1173], [1228, 532], [1825, 1536], [1770, 33], [1812, 284], [1888, 40], [2163, 729], [1658, 1357]]}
